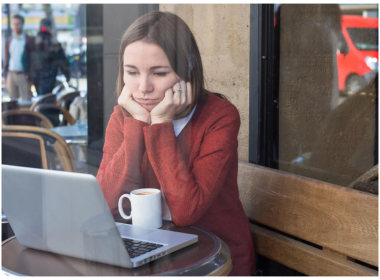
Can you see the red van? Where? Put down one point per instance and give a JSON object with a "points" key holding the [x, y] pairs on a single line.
{"points": [[357, 53]]}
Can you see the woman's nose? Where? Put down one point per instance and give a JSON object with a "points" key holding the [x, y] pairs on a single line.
{"points": [[145, 85]]}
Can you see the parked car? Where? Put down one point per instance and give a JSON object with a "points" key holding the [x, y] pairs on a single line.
{"points": [[357, 53]]}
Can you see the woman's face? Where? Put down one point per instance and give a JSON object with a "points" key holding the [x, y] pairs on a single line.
{"points": [[147, 73]]}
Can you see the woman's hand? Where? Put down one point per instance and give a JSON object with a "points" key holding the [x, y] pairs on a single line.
{"points": [[176, 99], [137, 111]]}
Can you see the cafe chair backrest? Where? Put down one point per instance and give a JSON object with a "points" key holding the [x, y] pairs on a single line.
{"points": [[25, 117], [35, 147], [66, 99], [57, 115], [9, 105], [49, 98], [23, 149]]}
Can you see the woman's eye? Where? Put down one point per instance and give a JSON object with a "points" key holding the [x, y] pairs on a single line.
{"points": [[132, 73], [161, 74]]}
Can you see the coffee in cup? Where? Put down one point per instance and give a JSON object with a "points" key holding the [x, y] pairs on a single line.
{"points": [[145, 193], [145, 208]]}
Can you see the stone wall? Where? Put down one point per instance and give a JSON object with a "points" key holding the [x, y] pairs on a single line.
{"points": [[222, 35]]}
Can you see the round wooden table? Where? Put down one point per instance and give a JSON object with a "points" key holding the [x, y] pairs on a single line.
{"points": [[209, 256]]}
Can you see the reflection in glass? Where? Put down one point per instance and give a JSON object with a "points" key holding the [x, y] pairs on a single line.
{"points": [[327, 92], [365, 39]]}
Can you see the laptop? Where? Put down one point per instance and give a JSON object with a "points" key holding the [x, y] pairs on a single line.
{"points": [[66, 213]]}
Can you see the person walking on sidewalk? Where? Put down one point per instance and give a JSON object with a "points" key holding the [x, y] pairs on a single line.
{"points": [[17, 82], [43, 57]]}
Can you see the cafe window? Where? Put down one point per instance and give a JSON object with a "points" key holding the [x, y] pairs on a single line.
{"points": [[303, 79], [325, 92], [91, 38], [56, 75]]}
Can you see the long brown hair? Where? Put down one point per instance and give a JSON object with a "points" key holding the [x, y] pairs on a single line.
{"points": [[173, 35]]}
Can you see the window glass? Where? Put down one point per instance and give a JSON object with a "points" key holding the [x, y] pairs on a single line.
{"points": [[364, 39], [48, 55], [327, 90], [143, 55]]}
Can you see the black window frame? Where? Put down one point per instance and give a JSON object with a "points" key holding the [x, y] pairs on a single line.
{"points": [[263, 87], [95, 78]]}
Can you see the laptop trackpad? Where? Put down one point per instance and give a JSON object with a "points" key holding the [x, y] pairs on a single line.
{"points": [[129, 231]]}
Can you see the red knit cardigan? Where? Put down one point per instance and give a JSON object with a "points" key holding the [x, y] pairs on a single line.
{"points": [[197, 171]]}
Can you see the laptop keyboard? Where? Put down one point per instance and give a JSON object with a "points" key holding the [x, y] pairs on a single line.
{"points": [[136, 248]]}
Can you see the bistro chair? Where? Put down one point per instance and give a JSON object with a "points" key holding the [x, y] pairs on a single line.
{"points": [[49, 98], [57, 115], [65, 100], [9, 105], [35, 147], [25, 117]]}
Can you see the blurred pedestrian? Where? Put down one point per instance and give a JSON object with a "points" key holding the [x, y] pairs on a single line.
{"points": [[43, 57], [17, 83]]}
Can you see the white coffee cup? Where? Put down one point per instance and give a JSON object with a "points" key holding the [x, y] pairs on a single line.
{"points": [[145, 208]]}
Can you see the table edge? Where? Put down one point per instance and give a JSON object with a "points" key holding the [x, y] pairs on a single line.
{"points": [[193, 269], [6, 270], [226, 268], [185, 271]]}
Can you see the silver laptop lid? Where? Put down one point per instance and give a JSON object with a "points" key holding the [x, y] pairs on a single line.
{"points": [[61, 212]]}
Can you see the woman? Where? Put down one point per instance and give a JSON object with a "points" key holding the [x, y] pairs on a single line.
{"points": [[169, 132]]}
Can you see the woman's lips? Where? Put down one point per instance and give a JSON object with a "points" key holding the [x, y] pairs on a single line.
{"points": [[146, 101]]}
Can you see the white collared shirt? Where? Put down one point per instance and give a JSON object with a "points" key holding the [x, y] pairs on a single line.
{"points": [[181, 123], [178, 126]]}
